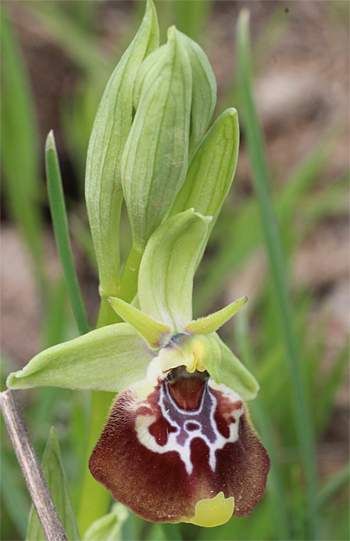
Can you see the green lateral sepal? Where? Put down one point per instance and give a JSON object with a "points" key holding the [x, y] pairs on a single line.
{"points": [[213, 322], [155, 156], [108, 359], [168, 266], [55, 476], [108, 528], [154, 332], [111, 127], [211, 170], [234, 374]]}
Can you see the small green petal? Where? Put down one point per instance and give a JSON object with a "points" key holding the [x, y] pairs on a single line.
{"points": [[234, 374], [154, 332], [168, 266], [209, 324], [107, 359], [108, 137], [155, 157]]}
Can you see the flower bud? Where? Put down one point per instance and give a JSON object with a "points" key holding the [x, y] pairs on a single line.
{"points": [[110, 131], [203, 91], [155, 157]]}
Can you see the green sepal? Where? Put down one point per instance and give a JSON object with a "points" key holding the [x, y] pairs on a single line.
{"points": [[108, 528], [108, 359], [168, 266], [211, 170], [155, 157], [234, 374], [55, 476], [211, 323], [154, 332], [109, 133], [203, 91]]}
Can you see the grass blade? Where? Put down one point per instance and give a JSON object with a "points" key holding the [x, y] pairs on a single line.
{"points": [[279, 505], [60, 224], [333, 485], [19, 145], [278, 269], [171, 532]]}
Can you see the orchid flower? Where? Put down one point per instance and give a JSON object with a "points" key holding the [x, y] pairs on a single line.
{"points": [[178, 444]]}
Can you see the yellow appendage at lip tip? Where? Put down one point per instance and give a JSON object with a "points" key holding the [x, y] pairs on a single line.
{"points": [[212, 512]]}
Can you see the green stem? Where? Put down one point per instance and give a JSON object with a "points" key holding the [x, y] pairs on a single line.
{"points": [[95, 499], [275, 483], [278, 269]]}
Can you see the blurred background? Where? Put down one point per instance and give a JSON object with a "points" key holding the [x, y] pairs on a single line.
{"points": [[56, 59]]}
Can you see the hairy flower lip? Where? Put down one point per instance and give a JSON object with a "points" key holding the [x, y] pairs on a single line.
{"points": [[161, 460]]}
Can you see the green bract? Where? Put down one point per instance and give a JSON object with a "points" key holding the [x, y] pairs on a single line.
{"points": [[112, 124], [212, 168]]}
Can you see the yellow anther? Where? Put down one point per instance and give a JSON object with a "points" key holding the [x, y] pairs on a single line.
{"points": [[191, 364], [194, 359]]}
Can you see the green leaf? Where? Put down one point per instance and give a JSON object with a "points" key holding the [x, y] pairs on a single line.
{"points": [[108, 359], [108, 528], [168, 266], [57, 482], [151, 330], [154, 162], [211, 323], [279, 275], [203, 91], [212, 168], [60, 225], [109, 134], [19, 146], [234, 374]]}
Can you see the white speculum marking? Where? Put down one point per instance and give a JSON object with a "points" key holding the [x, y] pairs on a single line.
{"points": [[189, 425]]}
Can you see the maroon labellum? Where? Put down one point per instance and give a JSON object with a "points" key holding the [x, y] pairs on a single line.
{"points": [[174, 443]]}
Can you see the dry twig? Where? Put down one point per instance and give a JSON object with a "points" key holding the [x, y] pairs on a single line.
{"points": [[31, 469]]}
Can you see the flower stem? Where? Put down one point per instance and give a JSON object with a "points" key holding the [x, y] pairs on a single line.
{"points": [[281, 288], [95, 498]]}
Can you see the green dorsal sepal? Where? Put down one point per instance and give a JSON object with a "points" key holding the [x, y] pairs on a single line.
{"points": [[209, 324], [154, 332]]}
